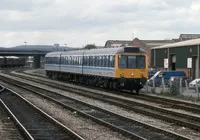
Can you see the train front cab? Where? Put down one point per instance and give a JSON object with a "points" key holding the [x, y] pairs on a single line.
{"points": [[131, 70]]}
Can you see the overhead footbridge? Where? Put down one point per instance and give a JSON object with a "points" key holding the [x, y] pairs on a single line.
{"points": [[37, 51]]}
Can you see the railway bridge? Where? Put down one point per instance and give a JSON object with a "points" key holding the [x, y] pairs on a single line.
{"points": [[37, 51]]}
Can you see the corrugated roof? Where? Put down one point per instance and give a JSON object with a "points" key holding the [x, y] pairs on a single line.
{"points": [[189, 36], [180, 44], [110, 43], [158, 41]]}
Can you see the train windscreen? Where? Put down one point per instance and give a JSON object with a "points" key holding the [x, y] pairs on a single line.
{"points": [[131, 61]]}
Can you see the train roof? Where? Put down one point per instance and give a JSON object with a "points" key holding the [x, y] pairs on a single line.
{"points": [[108, 51]]}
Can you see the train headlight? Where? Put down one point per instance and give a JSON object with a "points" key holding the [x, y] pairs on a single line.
{"points": [[141, 75], [132, 74], [121, 75]]}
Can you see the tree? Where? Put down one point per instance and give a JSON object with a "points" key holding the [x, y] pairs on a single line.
{"points": [[90, 46], [122, 45]]}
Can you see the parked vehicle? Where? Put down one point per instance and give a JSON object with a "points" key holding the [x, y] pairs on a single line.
{"points": [[151, 72], [157, 77], [192, 84]]}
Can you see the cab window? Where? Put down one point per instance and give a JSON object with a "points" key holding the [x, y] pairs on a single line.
{"points": [[122, 61]]}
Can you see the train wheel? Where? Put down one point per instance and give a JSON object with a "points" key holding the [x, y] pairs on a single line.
{"points": [[110, 85], [105, 84]]}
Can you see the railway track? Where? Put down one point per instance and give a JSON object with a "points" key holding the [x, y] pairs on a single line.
{"points": [[127, 126], [182, 119], [172, 103], [9, 127], [34, 123]]}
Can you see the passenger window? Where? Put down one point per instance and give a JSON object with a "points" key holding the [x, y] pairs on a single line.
{"points": [[66, 60], [104, 63], [88, 61], [97, 61], [93, 57], [112, 61]]}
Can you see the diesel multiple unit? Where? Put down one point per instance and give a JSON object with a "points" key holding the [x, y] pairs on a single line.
{"points": [[114, 68]]}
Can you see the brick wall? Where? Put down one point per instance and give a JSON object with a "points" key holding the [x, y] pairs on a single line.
{"points": [[137, 43]]}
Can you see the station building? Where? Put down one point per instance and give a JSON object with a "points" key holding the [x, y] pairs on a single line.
{"points": [[182, 55]]}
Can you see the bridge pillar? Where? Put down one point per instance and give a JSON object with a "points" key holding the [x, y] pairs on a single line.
{"points": [[36, 61]]}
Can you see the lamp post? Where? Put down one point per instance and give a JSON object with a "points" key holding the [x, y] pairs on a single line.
{"points": [[65, 48]]}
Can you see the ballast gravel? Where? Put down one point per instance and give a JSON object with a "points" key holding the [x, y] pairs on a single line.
{"points": [[155, 122], [84, 127], [8, 130]]}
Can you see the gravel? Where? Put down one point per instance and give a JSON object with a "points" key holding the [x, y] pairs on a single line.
{"points": [[84, 127], [155, 122], [8, 130]]}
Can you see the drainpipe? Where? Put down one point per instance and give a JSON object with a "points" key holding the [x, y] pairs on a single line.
{"points": [[168, 57], [154, 57], [197, 61]]}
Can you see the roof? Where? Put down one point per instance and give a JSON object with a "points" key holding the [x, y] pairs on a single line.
{"points": [[109, 51], [189, 36], [180, 44], [117, 42], [155, 43], [158, 41]]}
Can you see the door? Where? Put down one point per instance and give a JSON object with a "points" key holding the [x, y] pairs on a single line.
{"points": [[173, 62], [195, 70]]}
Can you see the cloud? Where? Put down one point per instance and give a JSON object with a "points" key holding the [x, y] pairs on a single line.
{"points": [[80, 22], [23, 5]]}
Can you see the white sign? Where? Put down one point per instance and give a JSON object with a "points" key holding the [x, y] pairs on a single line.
{"points": [[166, 63], [189, 63]]}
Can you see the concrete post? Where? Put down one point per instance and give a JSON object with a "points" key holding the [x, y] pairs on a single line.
{"points": [[197, 76], [180, 85], [36, 61], [163, 85], [197, 90], [186, 84], [170, 84], [154, 87]]}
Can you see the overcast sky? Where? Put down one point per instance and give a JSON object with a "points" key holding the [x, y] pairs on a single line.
{"points": [[80, 22]]}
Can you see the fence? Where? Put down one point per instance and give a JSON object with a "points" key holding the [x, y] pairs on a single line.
{"points": [[176, 87]]}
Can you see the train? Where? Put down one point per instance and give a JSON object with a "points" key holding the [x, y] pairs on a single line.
{"points": [[11, 61], [119, 68]]}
